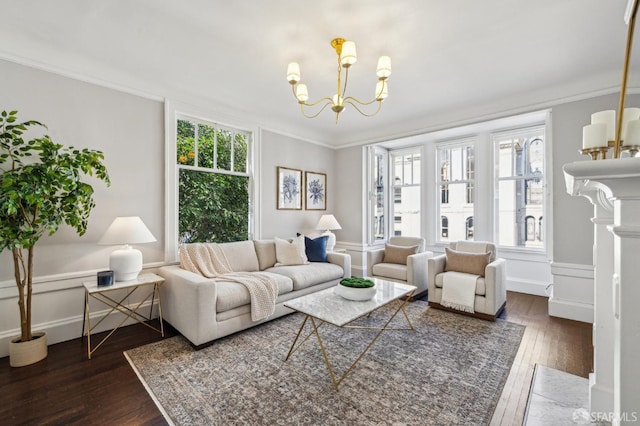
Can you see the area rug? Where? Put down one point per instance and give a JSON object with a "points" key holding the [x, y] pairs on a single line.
{"points": [[450, 371]]}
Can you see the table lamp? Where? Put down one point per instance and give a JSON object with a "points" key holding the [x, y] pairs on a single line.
{"points": [[126, 262], [328, 222]]}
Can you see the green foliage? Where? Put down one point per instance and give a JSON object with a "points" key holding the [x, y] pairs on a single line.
{"points": [[357, 282], [212, 206], [41, 188]]}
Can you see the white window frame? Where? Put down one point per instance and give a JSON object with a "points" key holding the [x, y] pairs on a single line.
{"points": [[393, 154], [372, 151], [448, 144], [172, 169], [546, 195]]}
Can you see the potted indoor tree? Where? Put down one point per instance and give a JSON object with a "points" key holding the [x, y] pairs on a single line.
{"points": [[41, 187]]}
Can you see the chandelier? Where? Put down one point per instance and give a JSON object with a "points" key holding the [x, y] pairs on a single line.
{"points": [[608, 130], [346, 51]]}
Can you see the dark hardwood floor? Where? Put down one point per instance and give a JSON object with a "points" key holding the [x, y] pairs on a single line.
{"points": [[67, 388]]}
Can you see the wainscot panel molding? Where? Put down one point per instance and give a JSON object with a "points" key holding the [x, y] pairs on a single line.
{"points": [[64, 294], [357, 251], [572, 295]]}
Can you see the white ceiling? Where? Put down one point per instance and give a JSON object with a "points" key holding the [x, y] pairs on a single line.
{"points": [[453, 60]]}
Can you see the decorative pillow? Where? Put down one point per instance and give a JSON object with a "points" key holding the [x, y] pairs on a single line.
{"points": [[471, 263], [316, 249], [290, 253], [398, 254]]}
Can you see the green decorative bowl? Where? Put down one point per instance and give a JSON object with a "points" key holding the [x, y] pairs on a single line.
{"points": [[356, 289]]}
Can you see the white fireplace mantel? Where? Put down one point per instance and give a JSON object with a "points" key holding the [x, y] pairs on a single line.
{"points": [[613, 187]]}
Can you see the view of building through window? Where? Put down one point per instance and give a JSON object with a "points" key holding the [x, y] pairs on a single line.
{"points": [[520, 187], [213, 182], [406, 193], [379, 175], [456, 174]]}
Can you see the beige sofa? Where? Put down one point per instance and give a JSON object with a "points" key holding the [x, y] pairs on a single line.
{"points": [[203, 309]]}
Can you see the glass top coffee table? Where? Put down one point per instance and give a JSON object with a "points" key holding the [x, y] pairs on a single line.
{"points": [[326, 306]]}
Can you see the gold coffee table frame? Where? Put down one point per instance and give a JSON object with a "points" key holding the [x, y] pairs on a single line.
{"points": [[318, 319]]}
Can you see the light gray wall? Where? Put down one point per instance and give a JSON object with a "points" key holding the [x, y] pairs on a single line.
{"points": [[130, 132], [349, 174], [285, 151], [572, 227]]}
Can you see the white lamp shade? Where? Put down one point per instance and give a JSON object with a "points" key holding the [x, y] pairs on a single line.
{"points": [[384, 67], [348, 55], [607, 117], [594, 136], [126, 262], [328, 222], [633, 133], [127, 230], [629, 114], [293, 72], [302, 93]]}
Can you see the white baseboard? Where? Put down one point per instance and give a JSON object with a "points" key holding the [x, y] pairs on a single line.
{"points": [[536, 288], [65, 329], [570, 310]]}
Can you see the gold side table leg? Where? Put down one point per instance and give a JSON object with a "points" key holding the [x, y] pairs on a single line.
{"points": [[157, 289], [87, 318]]}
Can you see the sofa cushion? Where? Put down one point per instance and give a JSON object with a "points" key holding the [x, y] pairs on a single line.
{"points": [[390, 270], [398, 254], [241, 256], [232, 294], [290, 253], [316, 249], [481, 289], [469, 263], [266, 252], [304, 276]]}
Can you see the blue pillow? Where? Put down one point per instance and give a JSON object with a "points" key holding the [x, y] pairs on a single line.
{"points": [[316, 249]]}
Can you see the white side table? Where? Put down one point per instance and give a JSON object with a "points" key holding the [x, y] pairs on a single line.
{"points": [[91, 290]]}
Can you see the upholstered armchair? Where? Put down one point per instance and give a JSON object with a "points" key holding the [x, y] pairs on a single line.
{"points": [[403, 260], [474, 278]]}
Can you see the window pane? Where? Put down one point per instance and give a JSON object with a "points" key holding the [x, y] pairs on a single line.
{"points": [[185, 148], [457, 211], [443, 164], [456, 164], [416, 169], [505, 159], [212, 207], [397, 171], [536, 156], [378, 209], [224, 149], [206, 135], [240, 153], [407, 211]]}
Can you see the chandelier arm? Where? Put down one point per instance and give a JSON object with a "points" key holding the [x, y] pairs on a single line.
{"points": [[346, 77], [317, 113], [362, 112], [327, 99], [351, 98]]}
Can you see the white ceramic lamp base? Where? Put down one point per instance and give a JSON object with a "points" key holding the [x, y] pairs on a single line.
{"points": [[126, 263], [331, 241]]}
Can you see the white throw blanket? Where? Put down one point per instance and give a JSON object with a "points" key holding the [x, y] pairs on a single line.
{"points": [[208, 259], [459, 291]]}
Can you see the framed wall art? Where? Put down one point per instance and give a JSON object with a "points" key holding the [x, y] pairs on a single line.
{"points": [[289, 189], [315, 191]]}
